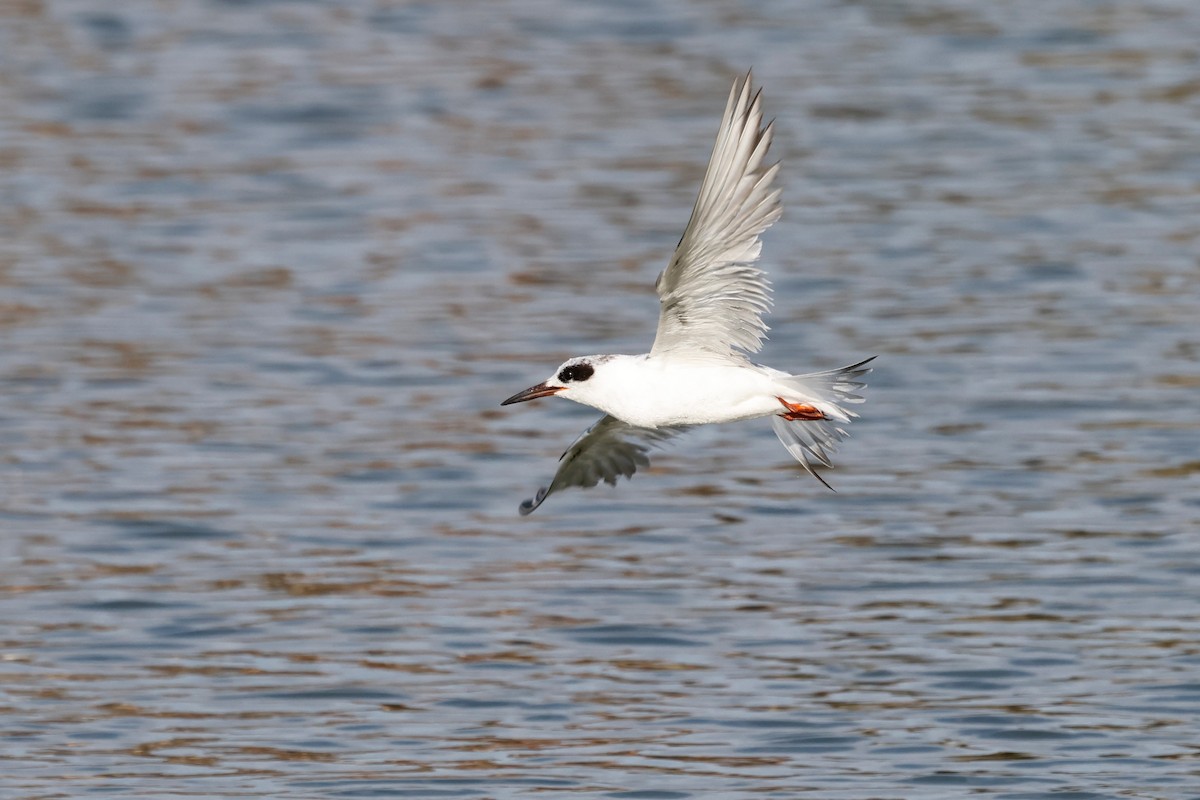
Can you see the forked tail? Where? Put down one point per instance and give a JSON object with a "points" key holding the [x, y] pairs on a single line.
{"points": [[809, 419]]}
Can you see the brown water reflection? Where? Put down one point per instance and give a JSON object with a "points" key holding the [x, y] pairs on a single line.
{"points": [[267, 268]]}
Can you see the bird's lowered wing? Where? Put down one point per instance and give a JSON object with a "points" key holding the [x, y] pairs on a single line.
{"points": [[608, 450], [712, 296]]}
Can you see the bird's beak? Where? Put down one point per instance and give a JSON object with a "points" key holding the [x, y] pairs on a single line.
{"points": [[533, 393]]}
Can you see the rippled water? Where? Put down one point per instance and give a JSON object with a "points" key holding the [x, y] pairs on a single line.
{"points": [[267, 269]]}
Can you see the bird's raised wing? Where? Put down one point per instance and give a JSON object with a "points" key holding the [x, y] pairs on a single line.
{"points": [[712, 295], [608, 450]]}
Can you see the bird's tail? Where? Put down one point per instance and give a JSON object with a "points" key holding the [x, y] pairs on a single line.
{"points": [[813, 409]]}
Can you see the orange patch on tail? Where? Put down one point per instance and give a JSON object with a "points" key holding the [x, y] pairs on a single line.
{"points": [[797, 411]]}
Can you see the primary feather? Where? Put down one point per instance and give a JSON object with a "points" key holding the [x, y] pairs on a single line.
{"points": [[608, 450], [712, 295]]}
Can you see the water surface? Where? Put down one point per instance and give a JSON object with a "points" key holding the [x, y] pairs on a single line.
{"points": [[268, 268]]}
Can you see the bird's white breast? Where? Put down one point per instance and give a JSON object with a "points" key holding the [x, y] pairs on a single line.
{"points": [[653, 392]]}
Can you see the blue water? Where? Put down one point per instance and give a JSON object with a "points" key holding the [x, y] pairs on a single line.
{"points": [[268, 268]]}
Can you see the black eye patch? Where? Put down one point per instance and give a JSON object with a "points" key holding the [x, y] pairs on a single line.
{"points": [[576, 373]]}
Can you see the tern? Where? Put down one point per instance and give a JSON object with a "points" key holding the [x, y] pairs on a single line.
{"points": [[712, 298]]}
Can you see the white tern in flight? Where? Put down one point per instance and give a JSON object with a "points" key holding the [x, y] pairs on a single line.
{"points": [[712, 299]]}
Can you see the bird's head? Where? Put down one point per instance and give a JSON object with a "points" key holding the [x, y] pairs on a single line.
{"points": [[575, 379]]}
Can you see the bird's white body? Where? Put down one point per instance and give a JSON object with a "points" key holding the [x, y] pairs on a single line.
{"points": [[661, 391], [712, 298]]}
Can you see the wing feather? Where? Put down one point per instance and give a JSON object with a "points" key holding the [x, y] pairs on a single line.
{"points": [[608, 450], [712, 295]]}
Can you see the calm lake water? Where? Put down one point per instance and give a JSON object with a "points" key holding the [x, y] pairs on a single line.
{"points": [[268, 268]]}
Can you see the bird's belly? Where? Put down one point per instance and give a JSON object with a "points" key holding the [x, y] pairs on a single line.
{"points": [[698, 397]]}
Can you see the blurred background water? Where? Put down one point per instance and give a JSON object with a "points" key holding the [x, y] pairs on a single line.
{"points": [[268, 268]]}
